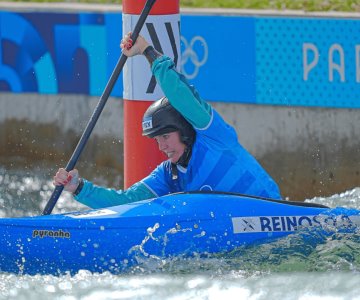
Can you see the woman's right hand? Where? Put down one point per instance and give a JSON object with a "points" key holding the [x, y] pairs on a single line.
{"points": [[130, 49], [70, 180]]}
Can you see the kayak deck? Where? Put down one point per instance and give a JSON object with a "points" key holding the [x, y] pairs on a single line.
{"points": [[111, 239]]}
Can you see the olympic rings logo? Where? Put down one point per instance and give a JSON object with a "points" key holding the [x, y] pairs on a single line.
{"points": [[190, 56]]}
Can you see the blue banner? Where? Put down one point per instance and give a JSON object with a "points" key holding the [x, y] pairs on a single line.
{"points": [[53, 53], [307, 61], [219, 57], [260, 60]]}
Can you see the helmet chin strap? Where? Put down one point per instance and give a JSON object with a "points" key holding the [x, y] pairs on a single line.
{"points": [[183, 161], [185, 157]]}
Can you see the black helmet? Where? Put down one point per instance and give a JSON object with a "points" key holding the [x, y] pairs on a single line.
{"points": [[161, 118]]}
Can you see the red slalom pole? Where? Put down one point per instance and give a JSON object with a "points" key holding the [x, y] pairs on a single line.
{"points": [[141, 154]]}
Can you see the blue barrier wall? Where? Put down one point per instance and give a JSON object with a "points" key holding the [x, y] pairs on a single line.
{"points": [[287, 61]]}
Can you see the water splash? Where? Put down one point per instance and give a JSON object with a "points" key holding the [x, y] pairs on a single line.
{"points": [[348, 199], [25, 193]]}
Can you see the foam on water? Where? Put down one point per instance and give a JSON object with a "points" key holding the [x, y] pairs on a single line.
{"points": [[300, 266], [233, 286]]}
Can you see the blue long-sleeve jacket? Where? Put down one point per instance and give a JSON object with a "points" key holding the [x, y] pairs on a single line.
{"points": [[218, 161]]}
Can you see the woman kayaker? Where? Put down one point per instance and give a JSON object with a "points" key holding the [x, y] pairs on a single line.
{"points": [[202, 149]]}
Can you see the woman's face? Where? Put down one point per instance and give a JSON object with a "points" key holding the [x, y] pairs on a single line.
{"points": [[171, 145]]}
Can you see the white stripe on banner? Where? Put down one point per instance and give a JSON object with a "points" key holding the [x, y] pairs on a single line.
{"points": [[290, 223]]}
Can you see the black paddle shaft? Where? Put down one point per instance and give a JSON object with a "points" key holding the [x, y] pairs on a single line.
{"points": [[99, 108]]}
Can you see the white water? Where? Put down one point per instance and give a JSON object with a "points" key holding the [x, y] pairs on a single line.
{"points": [[236, 286], [285, 269]]}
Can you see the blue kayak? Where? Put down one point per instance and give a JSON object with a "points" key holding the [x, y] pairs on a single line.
{"points": [[111, 239]]}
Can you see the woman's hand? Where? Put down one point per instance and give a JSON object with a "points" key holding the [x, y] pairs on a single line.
{"points": [[131, 50], [70, 180]]}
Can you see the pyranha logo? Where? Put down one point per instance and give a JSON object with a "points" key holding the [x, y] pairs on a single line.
{"points": [[40, 233]]}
